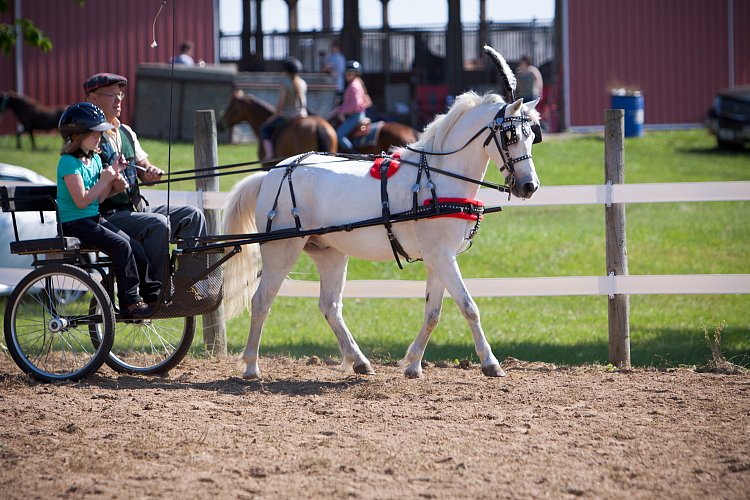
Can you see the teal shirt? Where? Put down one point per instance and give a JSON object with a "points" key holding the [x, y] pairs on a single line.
{"points": [[70, 165]]}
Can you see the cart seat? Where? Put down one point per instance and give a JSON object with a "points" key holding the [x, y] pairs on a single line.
{"points": [[37, 199], [46, 245]]}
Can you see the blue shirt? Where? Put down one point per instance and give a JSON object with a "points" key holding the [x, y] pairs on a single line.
{"points": [[70, 165]]}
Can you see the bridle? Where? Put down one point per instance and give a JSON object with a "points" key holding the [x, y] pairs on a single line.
{"points": [[508, 137]]}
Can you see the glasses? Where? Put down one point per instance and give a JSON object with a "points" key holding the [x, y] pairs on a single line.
{"points": [[120, 95]]}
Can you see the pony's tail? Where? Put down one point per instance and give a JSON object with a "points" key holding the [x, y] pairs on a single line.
{"points": [[242, 271]]}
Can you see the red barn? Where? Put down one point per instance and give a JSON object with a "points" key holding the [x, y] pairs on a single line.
{"points": [[101, 35], [678, 53]]}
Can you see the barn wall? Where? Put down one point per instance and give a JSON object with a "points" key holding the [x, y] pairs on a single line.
{"points": [[675, 51], [742, 41], [104, 35]]}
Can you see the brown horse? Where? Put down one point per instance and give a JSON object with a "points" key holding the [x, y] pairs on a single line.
{"points": [[31, 115], [312, 133], [376, 137]]}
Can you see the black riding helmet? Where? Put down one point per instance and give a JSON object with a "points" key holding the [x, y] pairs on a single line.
{"points": [[82, 117], [353, 66], [292, 65]]}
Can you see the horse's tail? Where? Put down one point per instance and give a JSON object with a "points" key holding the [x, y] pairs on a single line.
{"points": [[241, 272], [327, 140]]}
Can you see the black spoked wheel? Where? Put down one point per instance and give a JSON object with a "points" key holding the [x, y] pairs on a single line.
{"points": [[150, 346], [50, 329]]}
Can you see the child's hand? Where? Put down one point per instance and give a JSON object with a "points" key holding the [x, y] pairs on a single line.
{"points": [[108, 174]]}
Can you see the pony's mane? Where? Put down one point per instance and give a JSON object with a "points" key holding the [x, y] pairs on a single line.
{"points": [[260, 103], [435, 131], [14, 100], [24, 98]]}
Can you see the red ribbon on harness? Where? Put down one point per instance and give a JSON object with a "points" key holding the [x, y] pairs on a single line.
{"points": [[392, 165], [459, 201]]}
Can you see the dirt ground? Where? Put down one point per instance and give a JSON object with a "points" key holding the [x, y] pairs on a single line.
{"points": [[309, 431]]}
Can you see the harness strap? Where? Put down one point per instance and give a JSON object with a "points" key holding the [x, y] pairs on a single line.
{"points": [[430, 184], [272, 213], [295, 210], [386, 211]]}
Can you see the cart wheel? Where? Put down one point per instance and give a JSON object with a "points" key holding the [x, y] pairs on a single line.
{"points": [[150, 346], [49, 326]]}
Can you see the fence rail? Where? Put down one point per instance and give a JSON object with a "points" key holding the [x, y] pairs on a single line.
{"points": [[513, 40], [539, 286]]}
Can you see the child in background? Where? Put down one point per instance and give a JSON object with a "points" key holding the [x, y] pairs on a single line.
{"points": [[82, 183], [292, 103]]}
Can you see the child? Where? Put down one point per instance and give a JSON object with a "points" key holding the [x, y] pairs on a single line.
{"points": [[82, 183], [355, 102]]}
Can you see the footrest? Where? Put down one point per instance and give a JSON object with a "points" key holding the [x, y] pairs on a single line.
{"points": [[45, 245]]}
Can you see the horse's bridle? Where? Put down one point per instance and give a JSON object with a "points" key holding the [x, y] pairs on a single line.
{"points": [[508, 137]]}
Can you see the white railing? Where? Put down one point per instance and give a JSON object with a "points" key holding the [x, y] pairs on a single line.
{"points": [[524, 287], [566, 285]]}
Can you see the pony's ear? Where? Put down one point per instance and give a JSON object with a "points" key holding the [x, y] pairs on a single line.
{"points": [[515, 108], [532, 104]]}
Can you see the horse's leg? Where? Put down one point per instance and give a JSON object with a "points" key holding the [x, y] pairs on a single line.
{"points": [[331, 266], [412, 362], [450, 275], [278, 257], [33, 142]]}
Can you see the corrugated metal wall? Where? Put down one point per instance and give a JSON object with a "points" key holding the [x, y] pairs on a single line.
{"points": [[675, 51], [104, 35]]}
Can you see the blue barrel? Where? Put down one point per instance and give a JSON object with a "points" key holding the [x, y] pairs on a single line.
{"points": [[633, 105]]}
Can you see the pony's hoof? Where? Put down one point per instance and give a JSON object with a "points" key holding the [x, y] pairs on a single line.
{"points": [[493, 371], [364, 369], [413, 373], [251, 376]]}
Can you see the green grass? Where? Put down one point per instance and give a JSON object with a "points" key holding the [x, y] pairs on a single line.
{"points": [[668, 238]]}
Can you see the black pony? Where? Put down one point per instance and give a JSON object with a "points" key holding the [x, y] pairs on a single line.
{"points": [[31, 115]]}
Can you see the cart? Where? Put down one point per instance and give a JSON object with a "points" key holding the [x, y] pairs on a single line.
{"points": [[63, 322]]}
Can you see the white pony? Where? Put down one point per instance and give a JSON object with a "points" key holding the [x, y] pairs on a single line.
{"points": [[330, 191]]}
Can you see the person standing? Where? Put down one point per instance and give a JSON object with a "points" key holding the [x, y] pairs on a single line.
{"points": [[335, 64], [529, 80], [186, 54], [292, 103], [351, 111], [82, 184], [153, 226]]}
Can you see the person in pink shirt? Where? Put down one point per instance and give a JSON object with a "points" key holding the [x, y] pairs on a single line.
{"points": [[351, 111]]}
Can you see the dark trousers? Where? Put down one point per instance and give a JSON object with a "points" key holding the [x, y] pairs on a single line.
{"points": [[128, 256], [153, 229]]}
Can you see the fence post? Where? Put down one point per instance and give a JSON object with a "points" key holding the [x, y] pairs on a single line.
{"points": [[205, 153], [617, 255]]}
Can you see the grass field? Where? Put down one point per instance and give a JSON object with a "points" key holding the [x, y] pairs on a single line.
{"points": [[673, 238]]}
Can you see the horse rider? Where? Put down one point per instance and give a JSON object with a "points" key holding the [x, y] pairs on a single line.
{"points": [[152, 226], [351, 112], [292, 103]]}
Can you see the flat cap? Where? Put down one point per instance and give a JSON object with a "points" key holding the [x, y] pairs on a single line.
{"points": [[100, 80]]}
